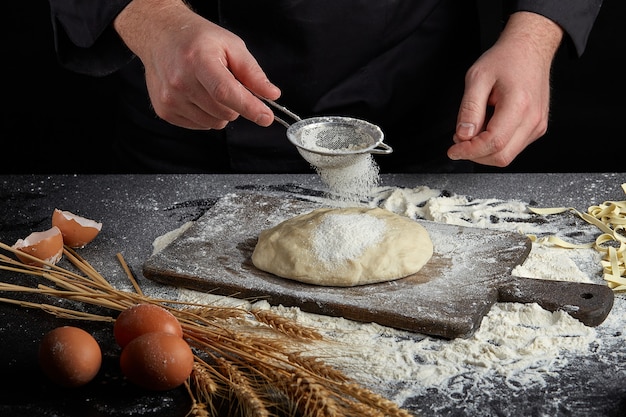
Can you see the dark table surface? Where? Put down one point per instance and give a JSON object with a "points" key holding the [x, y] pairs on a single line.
{"points": [[136, 209]]}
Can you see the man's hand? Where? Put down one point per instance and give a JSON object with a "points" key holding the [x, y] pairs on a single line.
{"points": [[199, 75], [512, 81]]}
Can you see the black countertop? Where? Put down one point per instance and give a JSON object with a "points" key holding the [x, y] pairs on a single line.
{"points": [[136, 209]]}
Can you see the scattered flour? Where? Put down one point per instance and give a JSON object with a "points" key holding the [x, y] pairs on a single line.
{"points": [[162, 241], [426, 203], [520, 344], [556, 263], [519, 341]]}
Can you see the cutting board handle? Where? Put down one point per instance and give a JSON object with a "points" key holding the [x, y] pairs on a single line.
{"points": [[589, 303]]}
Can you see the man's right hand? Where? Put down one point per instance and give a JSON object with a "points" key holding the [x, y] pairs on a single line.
{"points": [[199, 75]]}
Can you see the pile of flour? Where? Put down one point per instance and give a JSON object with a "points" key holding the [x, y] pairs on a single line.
{"points": [[519, 345], [341, 237]]}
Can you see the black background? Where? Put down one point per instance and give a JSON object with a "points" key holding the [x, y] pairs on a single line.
{"points": [[56, 121]]}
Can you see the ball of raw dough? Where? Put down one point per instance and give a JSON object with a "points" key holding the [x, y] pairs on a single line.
{"points": [[344, 247]]}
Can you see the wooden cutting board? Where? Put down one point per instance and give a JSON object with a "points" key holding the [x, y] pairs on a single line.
{"points": [[470, 270]]}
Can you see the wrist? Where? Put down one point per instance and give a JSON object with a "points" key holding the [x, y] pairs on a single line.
{"points": [[142, 21], [534, 31]]}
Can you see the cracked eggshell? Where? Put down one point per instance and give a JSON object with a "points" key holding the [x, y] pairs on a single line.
{"points": [[46, 245], [77, 231]]}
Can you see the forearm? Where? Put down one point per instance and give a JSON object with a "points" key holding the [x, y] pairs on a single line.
{"points": [[141, 22], [576, 17], [535, 32]]}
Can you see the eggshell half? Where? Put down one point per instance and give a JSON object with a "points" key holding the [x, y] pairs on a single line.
{"points": [[46, 245], [77, 231]]}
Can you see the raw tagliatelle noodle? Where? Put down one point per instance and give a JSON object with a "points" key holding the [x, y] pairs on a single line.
{"points": [[610, 218]]}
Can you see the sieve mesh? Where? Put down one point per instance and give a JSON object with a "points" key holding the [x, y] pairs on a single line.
{"points": [[334, 137], [332, 141]]}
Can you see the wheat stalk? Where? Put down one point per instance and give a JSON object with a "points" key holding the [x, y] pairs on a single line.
{"points": [[285, 325], [251, 362]]}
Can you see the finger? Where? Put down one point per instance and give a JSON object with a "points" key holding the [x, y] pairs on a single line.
{"points": [[229, 94], [252, 76], [473, 107], [246, 69], [192, 117], [504, 135], [475, 148], [179, 108], [494, 146], [255, 84]]}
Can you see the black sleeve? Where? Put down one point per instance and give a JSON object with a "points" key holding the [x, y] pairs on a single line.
{"points": [[84, 38], [576, 17]]}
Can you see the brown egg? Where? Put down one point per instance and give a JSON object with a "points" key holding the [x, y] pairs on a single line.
{"points": [[157, 361], [144, 318], [46, 245], [69, 356], [77, 231]]}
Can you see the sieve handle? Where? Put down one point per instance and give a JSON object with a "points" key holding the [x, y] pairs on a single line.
{"points": [[281, 108], [381, 148]]}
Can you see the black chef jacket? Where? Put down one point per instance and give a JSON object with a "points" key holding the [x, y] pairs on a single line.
{"points": [[397, 63]]}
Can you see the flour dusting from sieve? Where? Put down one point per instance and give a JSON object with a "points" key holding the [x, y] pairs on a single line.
{"points": [[356, 179], [354, 182], [342, 237]]}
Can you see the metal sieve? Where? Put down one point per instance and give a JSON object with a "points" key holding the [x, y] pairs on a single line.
{"points": [[332, 141]]}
